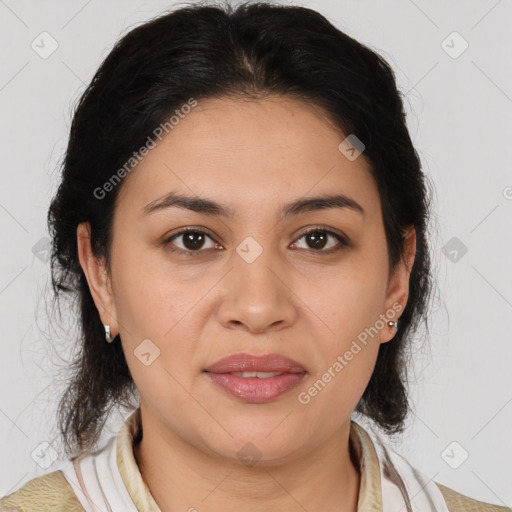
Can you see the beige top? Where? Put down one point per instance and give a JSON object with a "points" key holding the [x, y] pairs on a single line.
{"points": [[54, 492]]}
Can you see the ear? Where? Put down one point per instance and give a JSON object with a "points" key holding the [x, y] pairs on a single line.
{"points": [[398, 287], [97, 278]]}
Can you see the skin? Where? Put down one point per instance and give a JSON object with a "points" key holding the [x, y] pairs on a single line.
{"points": [[253, 156]]}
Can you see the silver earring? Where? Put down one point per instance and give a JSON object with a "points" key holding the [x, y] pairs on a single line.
{"points": [[393, 324], [108, 335]]}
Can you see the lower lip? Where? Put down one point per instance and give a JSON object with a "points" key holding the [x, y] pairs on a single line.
{"points": [[254, 390]]}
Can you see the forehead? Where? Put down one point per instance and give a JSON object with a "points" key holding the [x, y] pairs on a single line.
{"points": [[250, 153]]}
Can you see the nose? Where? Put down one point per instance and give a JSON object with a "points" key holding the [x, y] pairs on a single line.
{"points": [[256, 296]]}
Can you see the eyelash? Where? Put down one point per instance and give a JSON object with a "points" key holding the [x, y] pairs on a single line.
{"points": [[342, 240]]}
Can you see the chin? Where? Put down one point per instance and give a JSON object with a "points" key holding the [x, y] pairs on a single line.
{"points": [[258, 442]]}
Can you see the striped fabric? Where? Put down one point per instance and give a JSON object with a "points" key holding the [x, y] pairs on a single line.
{"points": [[57, 493]]}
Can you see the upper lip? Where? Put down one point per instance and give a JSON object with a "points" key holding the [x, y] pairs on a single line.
{"points": [[255, 363]]}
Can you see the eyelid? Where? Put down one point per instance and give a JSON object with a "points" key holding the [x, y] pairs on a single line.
{"points": [[342, 239], [167, 241]]}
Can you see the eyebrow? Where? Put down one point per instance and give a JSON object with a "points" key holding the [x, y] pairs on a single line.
{"points": [[207, 206]]}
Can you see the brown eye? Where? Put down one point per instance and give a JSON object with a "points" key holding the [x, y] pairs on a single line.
{"points": [[192, 241], [195, 241], [318, 239]]}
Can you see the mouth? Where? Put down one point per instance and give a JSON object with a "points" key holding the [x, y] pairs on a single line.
{"points": [[259, 375], [255, 378]]}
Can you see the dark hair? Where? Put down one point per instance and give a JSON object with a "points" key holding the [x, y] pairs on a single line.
{"points": [[206, 51]]}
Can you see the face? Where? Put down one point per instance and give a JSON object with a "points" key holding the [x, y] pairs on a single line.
{"points": [[252, 281]]}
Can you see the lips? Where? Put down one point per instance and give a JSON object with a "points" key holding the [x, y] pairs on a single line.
{"points": [[256, 379], [256, 363]]}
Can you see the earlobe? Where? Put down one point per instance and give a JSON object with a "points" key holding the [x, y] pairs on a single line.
{"points": [[97, 277], [389, 331]]}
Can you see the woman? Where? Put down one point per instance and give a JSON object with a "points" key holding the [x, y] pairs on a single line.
{"points": [[242, 217]]}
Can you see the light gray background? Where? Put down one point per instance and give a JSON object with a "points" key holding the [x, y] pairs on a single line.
{"points": [[460, 121]]}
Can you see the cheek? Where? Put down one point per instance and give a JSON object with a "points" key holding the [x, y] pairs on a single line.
{"points": [[149, 299], [330, 396], [347, 342], [347, 301], [345, 353], [155, 308]]}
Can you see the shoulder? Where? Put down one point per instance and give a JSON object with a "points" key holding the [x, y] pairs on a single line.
{"points": [[47, 492], [458, 502]]}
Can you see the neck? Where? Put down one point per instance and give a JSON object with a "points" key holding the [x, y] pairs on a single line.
{"points": [[182, 477]]}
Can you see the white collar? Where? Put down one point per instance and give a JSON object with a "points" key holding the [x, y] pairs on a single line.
{"points": [[109, 480]]}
